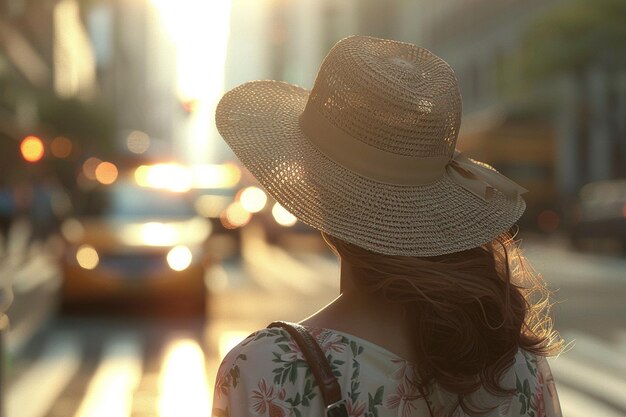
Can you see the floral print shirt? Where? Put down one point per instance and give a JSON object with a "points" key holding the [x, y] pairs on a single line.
{"points": [[266, 375]]}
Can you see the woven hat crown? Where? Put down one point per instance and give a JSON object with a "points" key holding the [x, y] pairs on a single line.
{"points": [[394, 96], [368, 155]]}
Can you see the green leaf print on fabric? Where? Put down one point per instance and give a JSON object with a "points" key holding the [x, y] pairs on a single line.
{"points": [[531, 363], [288, 371], [531, 403], [354, 381], [235, 374], [305, 398], [375, 401]]}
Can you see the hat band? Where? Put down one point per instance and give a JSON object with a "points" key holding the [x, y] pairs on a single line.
{"points": [[366, 160], [391, 168]]}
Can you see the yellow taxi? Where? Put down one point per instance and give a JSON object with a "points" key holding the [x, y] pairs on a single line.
{"points": [[137, 248]]}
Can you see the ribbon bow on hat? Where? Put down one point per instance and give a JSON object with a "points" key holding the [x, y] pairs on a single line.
{"points": [[480, 180]]}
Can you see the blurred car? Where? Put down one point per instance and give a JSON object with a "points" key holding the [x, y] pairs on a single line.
{"points": [[135, 247], [599, 217]]}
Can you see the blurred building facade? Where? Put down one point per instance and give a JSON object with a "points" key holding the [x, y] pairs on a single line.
{"points": [[552, 136], [478, 39], [136, 66], [26, 60], [59, 57]]}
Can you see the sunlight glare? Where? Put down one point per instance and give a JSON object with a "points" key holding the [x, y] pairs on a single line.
{"points": [[200, 31], [184, 389], [158, 234], [216, 176], [110, 391], [197, 26], [172, 177]]}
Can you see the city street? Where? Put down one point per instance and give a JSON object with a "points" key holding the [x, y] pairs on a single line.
{"points": [[158, 160], [104, 366]]}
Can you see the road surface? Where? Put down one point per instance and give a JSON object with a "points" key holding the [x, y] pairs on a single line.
{"points": [[85, 367]]}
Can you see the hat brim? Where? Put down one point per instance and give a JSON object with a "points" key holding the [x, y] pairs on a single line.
{"points": [[259, 121]]}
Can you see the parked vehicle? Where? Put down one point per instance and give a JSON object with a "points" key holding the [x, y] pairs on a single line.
{"points": [[599, 217]]}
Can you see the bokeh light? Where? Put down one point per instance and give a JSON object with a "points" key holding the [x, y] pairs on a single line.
{"points": [[158, 234], [106, 173], [548, 221], [138, 142], [90, 166], [61, 147], [282, 216], [211, 206], [253, 199], [87, 257], [216, 175], [235, 216], [141, 175], [72, 230], [179, 258], [172, 177], [32, 149]]}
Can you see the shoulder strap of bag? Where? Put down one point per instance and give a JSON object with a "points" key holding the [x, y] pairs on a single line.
{"points": [[328, 384]]}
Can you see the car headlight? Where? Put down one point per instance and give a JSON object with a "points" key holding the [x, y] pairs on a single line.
{"points": [[179, 258]]}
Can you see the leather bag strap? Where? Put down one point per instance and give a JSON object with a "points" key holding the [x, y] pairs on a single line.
{"points": [[328, 384]]}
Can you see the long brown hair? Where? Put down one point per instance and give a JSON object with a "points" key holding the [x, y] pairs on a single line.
{"points": [[469, 312]]}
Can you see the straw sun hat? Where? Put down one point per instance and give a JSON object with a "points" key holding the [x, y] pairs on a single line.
{"points": [[368, 155]]}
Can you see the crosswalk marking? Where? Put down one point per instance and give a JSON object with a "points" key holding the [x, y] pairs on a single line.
{"points": [[37, 389], [110, 391], [585, 386], [183, 381]]}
